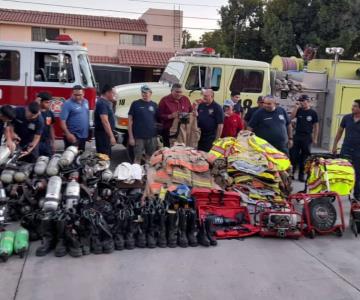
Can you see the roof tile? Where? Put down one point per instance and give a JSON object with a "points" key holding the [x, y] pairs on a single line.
{"points": [[144, 58], [71, 20]]}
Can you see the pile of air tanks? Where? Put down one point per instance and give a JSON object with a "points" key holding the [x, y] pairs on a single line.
{"points": [[50, 184]]}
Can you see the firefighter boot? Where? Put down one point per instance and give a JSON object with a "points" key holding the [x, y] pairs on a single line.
{"points": [[150, 237], [191, 228], [119, 231], [202, 236], [130, 226], [182, 237], [210, 232], [21, 243], [141, 230], [73, 240], [60, 248], [172, 228], [162, 243], [107, 238], [6, 244], [47, 237]]}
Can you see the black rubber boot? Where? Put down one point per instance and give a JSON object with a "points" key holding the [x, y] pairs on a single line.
{"points": [[191, 228], [202, 236], [141, 231], [130, 226], [150, 237], [118, 234], [47, 237], [60, 249], [95, 241], [162, 243], [73, 240], [182, 237], [172, 228], [210, 232]]}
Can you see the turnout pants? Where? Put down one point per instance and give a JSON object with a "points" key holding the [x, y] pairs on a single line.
{"points": [[353, 154], [300, 151]]}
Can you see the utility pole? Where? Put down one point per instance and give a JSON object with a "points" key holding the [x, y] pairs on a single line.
{"points": [[235, 34]]}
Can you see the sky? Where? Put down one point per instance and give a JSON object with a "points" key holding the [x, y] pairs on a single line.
{"points": [[134, 9]]}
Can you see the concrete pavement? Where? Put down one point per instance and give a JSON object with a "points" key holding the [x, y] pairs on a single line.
{"points": [[327, 267]]}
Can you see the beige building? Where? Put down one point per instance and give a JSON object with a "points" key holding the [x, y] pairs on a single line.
{"points": [[145, 44]]}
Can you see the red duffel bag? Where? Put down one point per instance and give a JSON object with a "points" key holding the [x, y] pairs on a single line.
{"points": [[211, 197]]}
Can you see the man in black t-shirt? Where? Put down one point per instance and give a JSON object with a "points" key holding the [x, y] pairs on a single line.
{"points": [[252, 110], [142, 127], [272, 124], [104, 121], [306, 133], [210, 120], [47, 141], [29, 125]]}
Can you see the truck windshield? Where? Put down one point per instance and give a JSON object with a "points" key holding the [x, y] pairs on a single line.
{"points": [[87, 77], [172, 72]]}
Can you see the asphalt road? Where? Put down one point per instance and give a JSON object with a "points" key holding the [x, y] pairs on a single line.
{"points": [[326, 267]]}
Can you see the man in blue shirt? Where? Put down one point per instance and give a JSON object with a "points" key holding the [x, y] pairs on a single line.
{"points": [[104, 121], [47, 141], [75, 119], [351, 145], [210, 120], [29, 125], [272, 124], [142, 125]]}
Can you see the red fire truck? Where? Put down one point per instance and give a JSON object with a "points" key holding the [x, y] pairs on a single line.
{"points": [[56, 66]]}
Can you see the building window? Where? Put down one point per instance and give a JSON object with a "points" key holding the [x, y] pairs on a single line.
{"points": [[157, 38], [247, 81], [133, 39], [9, 65], [39, 34]]}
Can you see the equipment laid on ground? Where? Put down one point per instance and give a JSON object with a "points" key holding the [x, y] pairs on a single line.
{"points": [[6, 244], [319, 213], [21, 242], [283, 222], [355, 217]]}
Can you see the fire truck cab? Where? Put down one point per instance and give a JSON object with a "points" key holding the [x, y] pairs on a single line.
{"points": [[28, 68]]}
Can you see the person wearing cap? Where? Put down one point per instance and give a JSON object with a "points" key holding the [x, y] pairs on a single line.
{"points": [[170, 107], [7, 114], [142, 125], [232, 121], [104, 121], [235, 98], [252, 110], [350, 149], [272, 124], [74, 119], [29, 125], [306, 133], [47, 141], [210, 120]]}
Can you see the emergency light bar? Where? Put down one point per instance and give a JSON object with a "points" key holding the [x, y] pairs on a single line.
{"points": [[63, 39], [206, 51]]}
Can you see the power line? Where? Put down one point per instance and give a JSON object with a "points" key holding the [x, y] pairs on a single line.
{"points": [[101, 9], [183, 4]]}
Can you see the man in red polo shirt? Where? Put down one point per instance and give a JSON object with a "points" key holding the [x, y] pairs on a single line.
{"points": [[169, 108], [232, 121]]}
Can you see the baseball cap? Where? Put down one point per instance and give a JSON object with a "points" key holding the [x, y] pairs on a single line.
{"points": [[228, 102], [303, 98], [145, 88]]}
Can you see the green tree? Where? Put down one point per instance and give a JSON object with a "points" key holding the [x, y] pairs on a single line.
{"points": [[187, 42], [214, 39], [241, 23]]}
